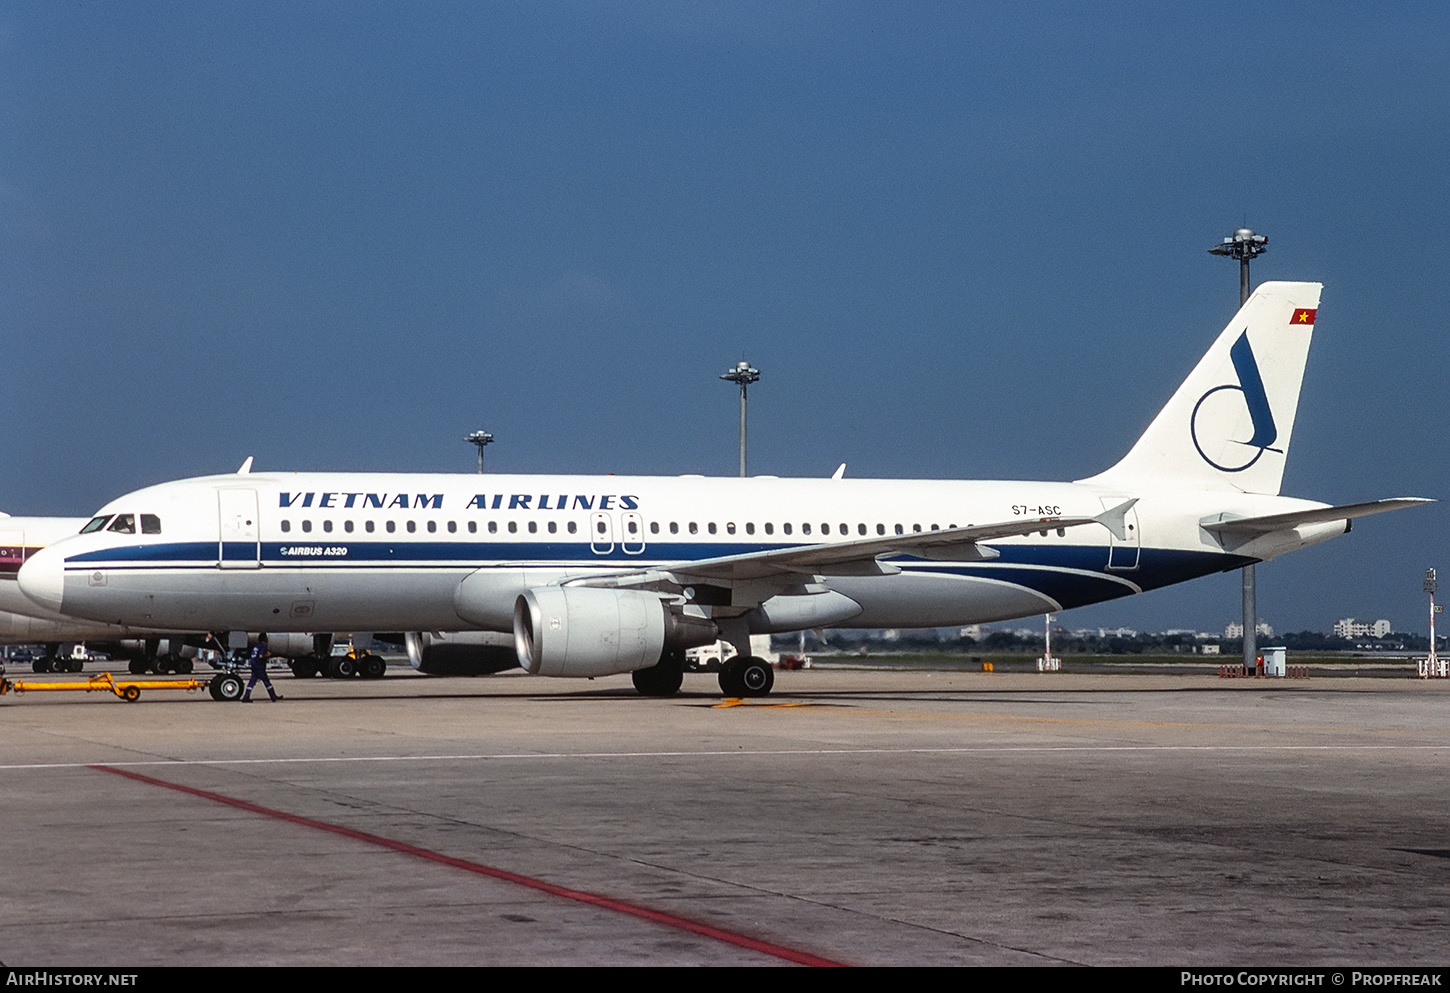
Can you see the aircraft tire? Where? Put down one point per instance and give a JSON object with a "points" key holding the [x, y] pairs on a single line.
{"points": [[184, 667], [40, 665], [371, 666], [342, 668], [227, 687], [664, 678], [756, 677], [136, 667], [730, 681]]}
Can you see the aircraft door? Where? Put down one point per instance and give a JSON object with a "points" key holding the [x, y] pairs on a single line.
{"points": [[12, 551], [601, 533], [239, 543], [1123, 552], [633, 538]]}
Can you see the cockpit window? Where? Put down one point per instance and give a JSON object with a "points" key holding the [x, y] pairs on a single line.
{"points": [[124, 524], [150, 524], [95, 524]]}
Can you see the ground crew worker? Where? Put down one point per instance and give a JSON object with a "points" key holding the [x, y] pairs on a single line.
{"points": [[259, 670]]}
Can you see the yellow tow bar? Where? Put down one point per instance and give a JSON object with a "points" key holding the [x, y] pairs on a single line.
{"points": [[128, 690]]}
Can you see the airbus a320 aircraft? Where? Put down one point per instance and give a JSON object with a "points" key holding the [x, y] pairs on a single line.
{"points": [[612, 574]]}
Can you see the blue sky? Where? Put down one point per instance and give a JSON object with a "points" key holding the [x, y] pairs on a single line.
{"points": [[959, 240]]}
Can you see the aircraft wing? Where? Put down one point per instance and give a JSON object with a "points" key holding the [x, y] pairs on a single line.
{"points": [[857, 557], [1251, 527]]}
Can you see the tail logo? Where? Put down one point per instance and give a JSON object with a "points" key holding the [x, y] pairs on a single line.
{"points": [[1218, 405]]}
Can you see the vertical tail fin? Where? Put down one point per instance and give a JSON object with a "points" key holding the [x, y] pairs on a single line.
{"points": [[1228, 426]]}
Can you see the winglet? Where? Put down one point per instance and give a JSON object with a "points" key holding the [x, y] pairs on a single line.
{"points": [[1115, 519], [246, 467]]}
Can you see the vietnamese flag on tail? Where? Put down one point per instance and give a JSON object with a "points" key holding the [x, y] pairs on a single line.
{"points": [[1303, 316]]}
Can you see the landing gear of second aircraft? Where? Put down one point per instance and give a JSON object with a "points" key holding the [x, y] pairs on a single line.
{"points": [[662, 679]]}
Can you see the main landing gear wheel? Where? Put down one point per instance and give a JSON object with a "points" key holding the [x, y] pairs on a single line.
{"points": [[749, 676], [371, 666], [664, 678], [225, 686]]}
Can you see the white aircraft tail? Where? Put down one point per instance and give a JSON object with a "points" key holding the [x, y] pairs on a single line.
{"points": [[1228, 426]]}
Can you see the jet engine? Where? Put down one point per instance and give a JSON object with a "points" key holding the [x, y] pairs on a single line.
{"points": [[467, 653], [582, 631]]}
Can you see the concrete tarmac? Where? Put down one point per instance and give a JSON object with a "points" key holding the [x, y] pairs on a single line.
{"points": [[860, 817]]}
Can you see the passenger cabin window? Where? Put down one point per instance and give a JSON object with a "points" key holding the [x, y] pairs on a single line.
{"points": [[95, 524], [123, 524]]}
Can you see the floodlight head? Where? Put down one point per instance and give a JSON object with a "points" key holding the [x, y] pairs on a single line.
{"points": [[1243, 244], [743, 374]]}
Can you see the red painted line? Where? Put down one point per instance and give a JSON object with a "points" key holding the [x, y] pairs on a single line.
{"points": [[580, 896]]}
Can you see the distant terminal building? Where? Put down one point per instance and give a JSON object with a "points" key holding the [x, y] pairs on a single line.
{"points": [[1351, 628], [1236, 630]]}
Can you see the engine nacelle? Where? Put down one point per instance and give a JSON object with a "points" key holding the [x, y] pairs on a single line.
{"points": [[582, 631], [468, 653], [291, 645]]}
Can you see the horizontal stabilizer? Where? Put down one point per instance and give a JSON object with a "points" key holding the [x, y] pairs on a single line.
{"points": [[1251, 527]]}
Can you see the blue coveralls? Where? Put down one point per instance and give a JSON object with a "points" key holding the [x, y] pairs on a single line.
{"points": [[258, 663]]}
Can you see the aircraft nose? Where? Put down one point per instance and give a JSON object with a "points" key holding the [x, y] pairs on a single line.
{"points": [[42, 578]]}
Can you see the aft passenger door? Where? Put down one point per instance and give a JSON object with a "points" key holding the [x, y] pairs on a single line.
{"points": [[239, 545], [1123, 552]]}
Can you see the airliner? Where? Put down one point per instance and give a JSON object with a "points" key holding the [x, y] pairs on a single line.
{"points": [[24, 622], [603, 575]]}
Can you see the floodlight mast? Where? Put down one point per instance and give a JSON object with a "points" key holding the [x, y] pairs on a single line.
{"points": [[479, 438], [1430, 587], [1244, 245], [744, 374]]}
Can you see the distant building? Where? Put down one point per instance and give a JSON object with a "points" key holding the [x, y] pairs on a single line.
{"points": [[1351, 628], [1236, 630]]}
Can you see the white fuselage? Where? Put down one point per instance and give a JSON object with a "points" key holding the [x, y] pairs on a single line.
{"points": [[22, 620], [393, 552]]}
